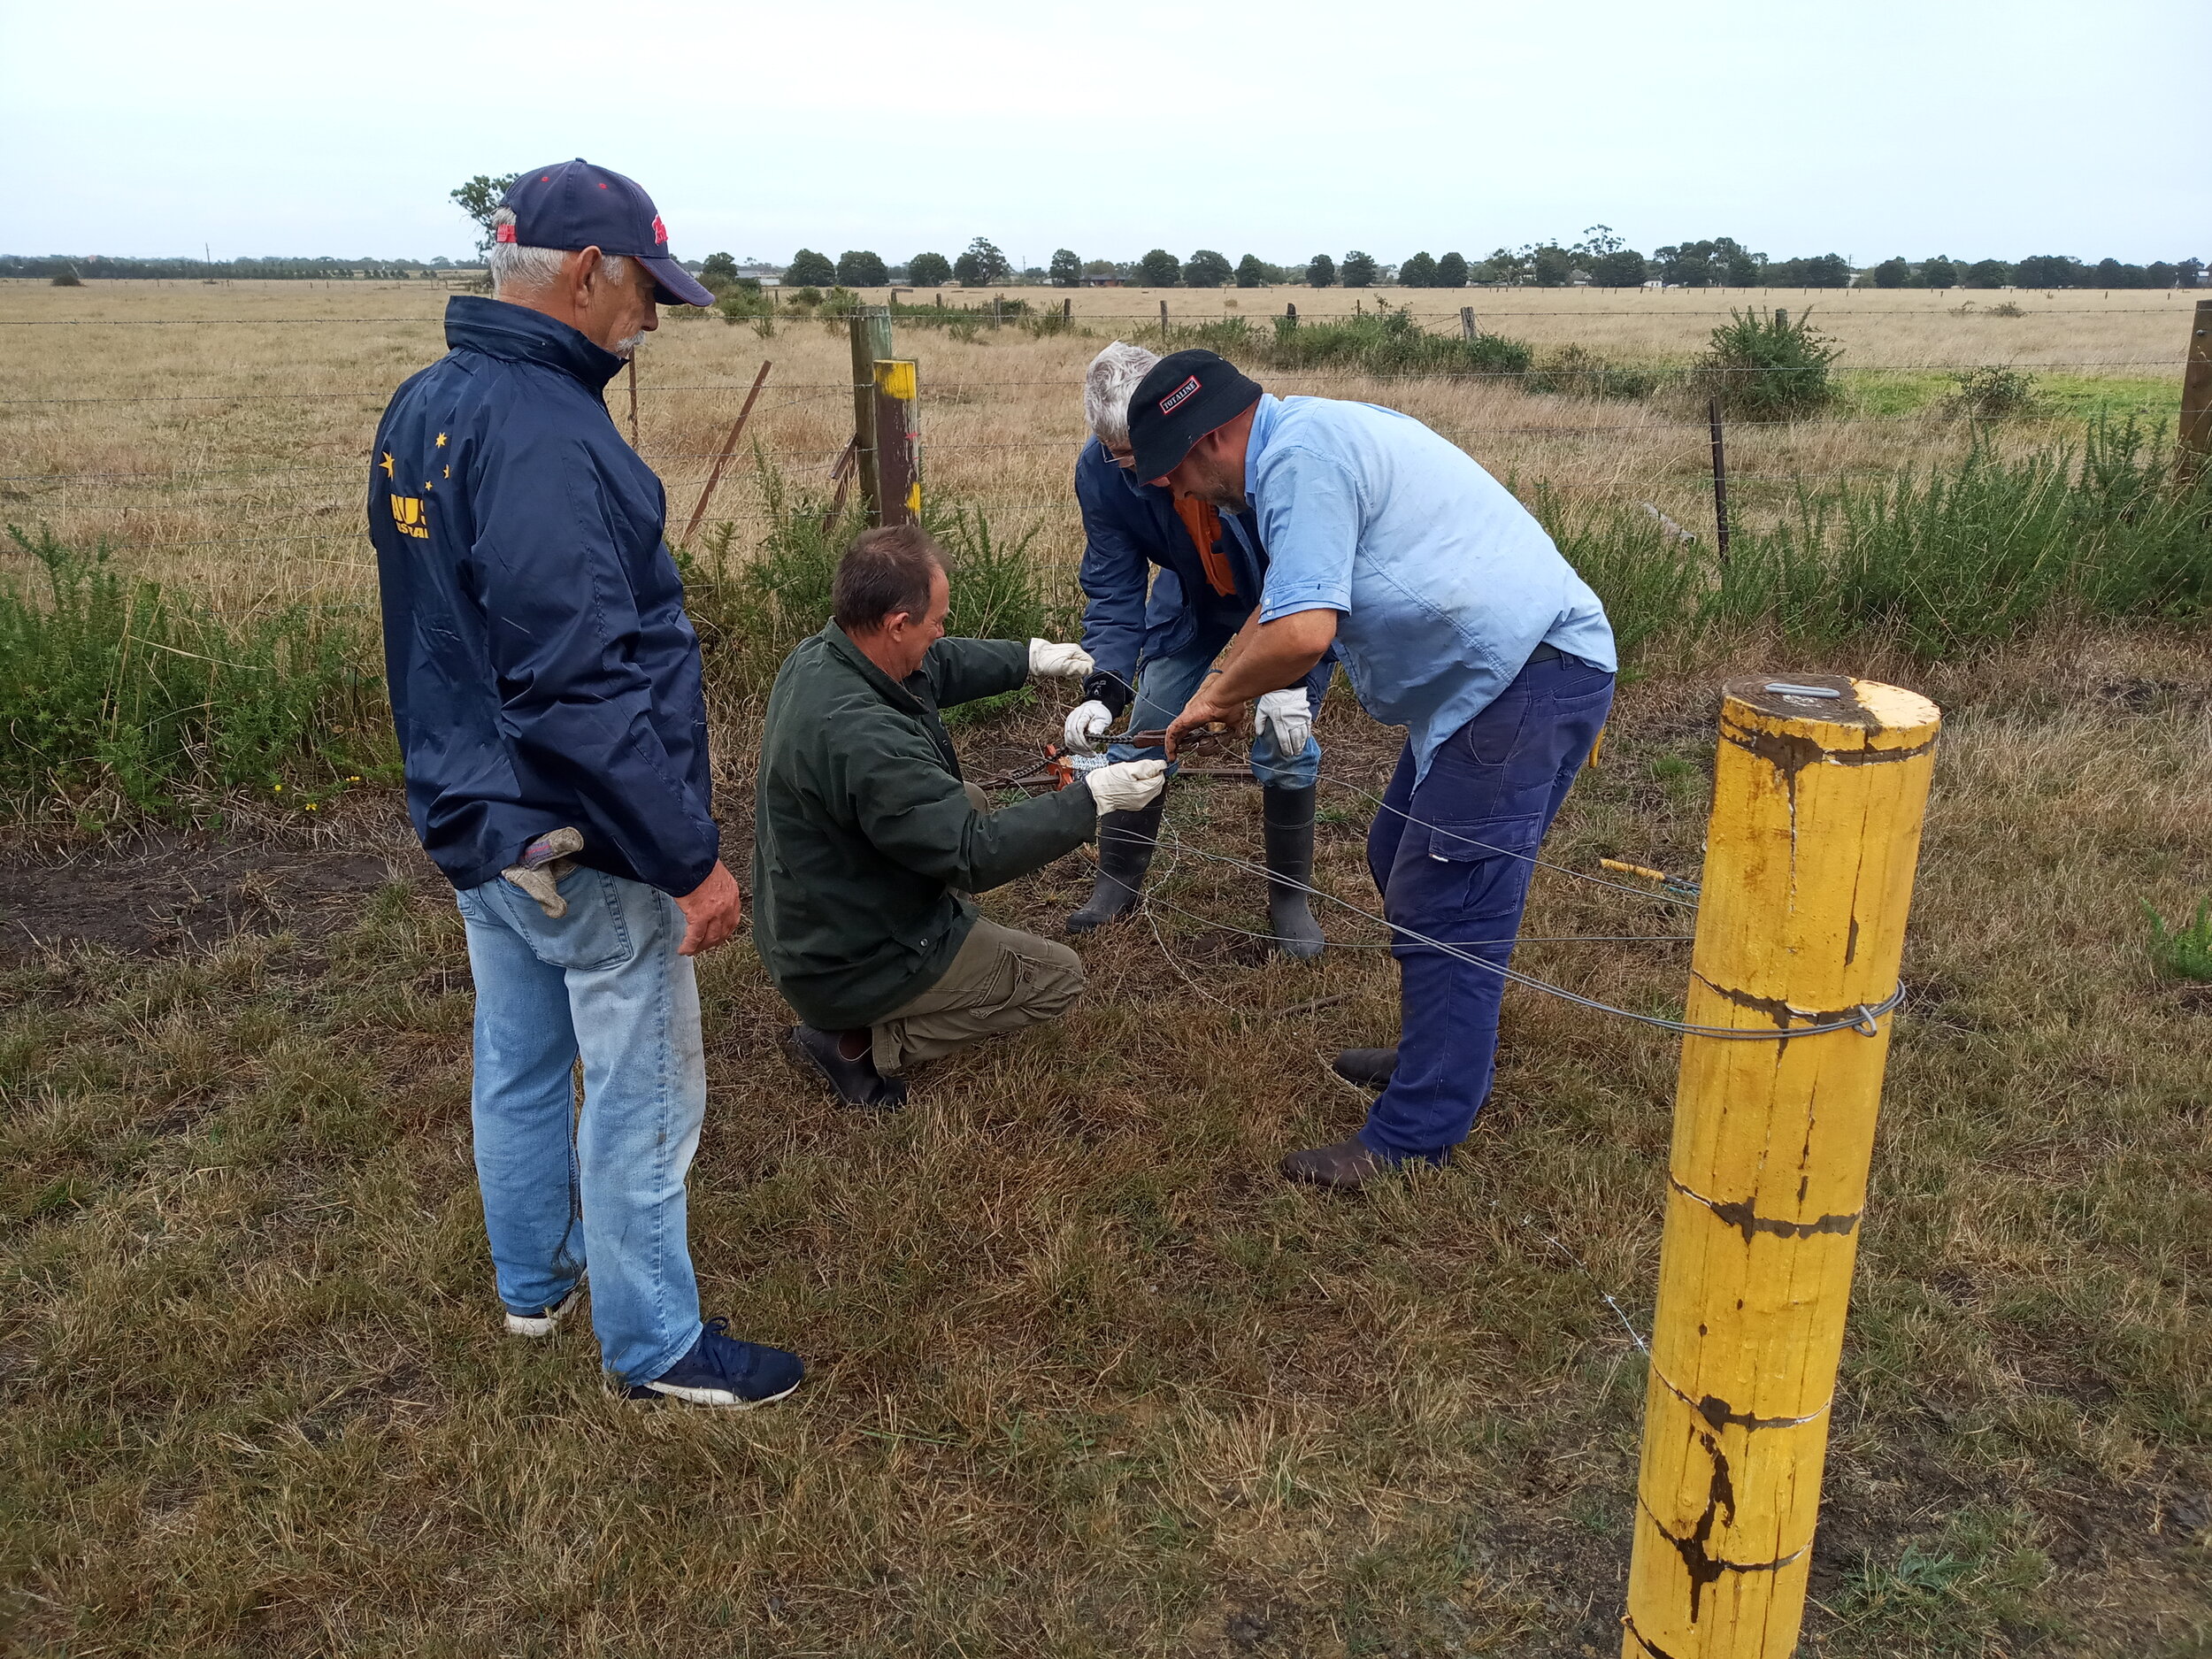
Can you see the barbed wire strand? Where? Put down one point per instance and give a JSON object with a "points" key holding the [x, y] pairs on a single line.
{"points": [[1392, 376], [915, 314], [1823, 429], [1864, 1018]]}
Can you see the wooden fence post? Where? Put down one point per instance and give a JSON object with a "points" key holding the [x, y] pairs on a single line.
{"points": [[634, 401], [1466, 322], [1067, 309], [1815, 834], [729, 448], [898, 442], [1163, 317], [1720, 481], [870, 343], [2195, 446]]}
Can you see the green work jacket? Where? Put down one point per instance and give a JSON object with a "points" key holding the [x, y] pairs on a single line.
{"points": [[864, 843]]}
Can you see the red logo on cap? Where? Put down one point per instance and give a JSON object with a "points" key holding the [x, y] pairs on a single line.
{"points": [[505, 233], [660, 231], [1179, 395]]}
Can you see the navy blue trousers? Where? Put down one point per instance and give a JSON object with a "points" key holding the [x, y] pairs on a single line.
{"points": [[1443, 853]]}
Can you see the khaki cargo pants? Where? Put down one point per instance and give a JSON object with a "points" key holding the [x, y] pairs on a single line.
{"points": [[1003, 980]]}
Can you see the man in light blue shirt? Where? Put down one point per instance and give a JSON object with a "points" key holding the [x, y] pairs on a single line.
{"points": [[1455, 616]]}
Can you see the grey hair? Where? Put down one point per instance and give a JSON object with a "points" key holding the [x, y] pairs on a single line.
{"points": [[1107, 388], [532, 270]]}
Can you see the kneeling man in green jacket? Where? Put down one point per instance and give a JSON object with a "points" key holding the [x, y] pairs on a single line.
{"points": [[867, 841]]}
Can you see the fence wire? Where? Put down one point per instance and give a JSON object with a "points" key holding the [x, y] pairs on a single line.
{"points": [[142, 502]]}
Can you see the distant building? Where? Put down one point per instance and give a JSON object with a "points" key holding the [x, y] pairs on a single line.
{"points": [[1101, 282]]}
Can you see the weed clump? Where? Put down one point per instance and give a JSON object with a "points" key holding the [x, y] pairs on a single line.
{"points": [[1957, 558], [1971, 554], [116, 697], [750, 610], [1382, 342], [1992, 392], [1763, 366], [2183, 952], [1577, 372], [1386, 342]]}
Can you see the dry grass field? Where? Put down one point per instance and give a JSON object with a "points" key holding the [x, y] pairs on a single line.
{"points": [[1088, 1379], [232, 457]]}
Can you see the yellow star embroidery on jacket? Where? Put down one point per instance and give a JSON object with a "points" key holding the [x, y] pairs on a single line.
{"points": [[387, 464], [441, 441]]}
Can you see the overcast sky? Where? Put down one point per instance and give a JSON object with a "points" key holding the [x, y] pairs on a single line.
{"points": [[1882, 126]]}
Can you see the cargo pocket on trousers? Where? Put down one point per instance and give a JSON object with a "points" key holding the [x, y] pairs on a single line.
{"points": [[1481, 868]]}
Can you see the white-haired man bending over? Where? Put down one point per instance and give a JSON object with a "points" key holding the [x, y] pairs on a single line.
{"points": [[1170, 580]]}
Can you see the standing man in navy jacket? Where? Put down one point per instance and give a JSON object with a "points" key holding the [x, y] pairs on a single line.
{"points": [[545, 683], [1155, 638]]}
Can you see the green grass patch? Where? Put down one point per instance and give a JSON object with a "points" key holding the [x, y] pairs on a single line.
{"points": [[752, 607], [119, 697], [2148, 400], [1891, 392], [2185, 951], [2078, 398], [1958, 555]]}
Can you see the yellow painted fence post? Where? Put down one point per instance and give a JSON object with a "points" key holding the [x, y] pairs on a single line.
{"points": [[898, 441], [1818, 794]]}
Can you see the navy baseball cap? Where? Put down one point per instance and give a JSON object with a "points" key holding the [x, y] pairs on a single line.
{"points": [[1184, 397], [573, 205]]}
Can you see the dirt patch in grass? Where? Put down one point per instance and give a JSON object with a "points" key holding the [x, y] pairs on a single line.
{"points": [[181, 891]]}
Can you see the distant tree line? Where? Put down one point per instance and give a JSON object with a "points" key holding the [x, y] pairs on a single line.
{"points": [[1599, 259], [92, 266], [2037, 271]]}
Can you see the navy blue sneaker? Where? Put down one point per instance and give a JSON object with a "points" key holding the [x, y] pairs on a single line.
{"points": [[723, 1371]]}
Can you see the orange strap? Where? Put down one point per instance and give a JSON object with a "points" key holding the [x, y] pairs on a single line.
{"points": [[1204, 525]]}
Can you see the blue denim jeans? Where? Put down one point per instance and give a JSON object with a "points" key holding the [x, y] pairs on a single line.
{"points": [[605, 1186], [1164, 684], [1450, 857]]}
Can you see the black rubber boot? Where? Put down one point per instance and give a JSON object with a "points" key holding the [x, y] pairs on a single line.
{"points": [[1125, 843], [1287, 819], [1370, 1067], [855, 1081]]}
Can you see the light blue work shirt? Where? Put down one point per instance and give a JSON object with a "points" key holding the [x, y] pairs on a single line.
{"points": [[1444, 582]]}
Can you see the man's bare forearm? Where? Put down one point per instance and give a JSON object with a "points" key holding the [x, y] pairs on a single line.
{"points": [[1265, 656]]}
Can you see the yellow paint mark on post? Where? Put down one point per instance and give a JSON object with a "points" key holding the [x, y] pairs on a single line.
{"points": [[1810, 853], [895, 377]]}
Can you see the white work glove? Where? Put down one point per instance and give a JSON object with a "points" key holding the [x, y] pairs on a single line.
{"points": [[1127, 785], [1059, 661], [1289, 714], [1086, 724]]}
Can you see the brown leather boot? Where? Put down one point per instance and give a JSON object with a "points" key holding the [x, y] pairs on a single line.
{"points": [[1343, 1168]]}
